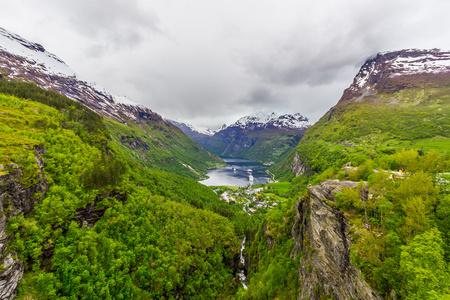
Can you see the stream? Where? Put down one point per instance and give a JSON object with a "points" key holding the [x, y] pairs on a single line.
{"points": [[242, 262]]}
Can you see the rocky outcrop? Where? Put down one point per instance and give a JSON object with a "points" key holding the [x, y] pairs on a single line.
{"points": [[16, 197], [298, 166], [321, 235], [91, 213], [134, 143], [10, 277]]}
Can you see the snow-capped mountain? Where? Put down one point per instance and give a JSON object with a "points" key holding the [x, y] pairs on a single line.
{"points": [[263, 120], [254, 136], [27, 61], [392, 71]]}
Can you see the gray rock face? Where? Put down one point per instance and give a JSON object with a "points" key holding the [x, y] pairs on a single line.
{"points": [[321, 236], [298, 166], [10, 278], [16, 198]]}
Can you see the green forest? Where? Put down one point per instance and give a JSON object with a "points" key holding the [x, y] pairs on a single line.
{"points": [[400, 229], [146, 234], [112, 226]]}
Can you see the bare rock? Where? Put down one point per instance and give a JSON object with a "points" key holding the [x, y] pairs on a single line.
{"points": [[10, 277], [16, 198], [298, 166], [321, 236]]}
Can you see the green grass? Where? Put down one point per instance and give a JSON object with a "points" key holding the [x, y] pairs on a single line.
{"points": [[163, 147], [21, 128], [356, 131]]}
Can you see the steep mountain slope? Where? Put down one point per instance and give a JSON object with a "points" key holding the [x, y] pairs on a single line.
{"points": [[398, 100], [152, 141], [261, 137], [373, 220], [79, 218]]}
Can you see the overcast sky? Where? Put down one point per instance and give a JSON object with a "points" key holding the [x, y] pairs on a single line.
{"points": [[209, 62]]}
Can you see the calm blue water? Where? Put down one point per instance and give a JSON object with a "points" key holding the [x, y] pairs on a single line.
{"points": [[227, 176]]}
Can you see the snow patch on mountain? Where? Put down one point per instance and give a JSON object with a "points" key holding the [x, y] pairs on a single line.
{"points": [[34, 54], [263, 120], [425, 63], [402, 63], [202, 130], [31, 62], [387, 70]]}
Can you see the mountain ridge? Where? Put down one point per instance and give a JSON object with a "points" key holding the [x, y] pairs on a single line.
{"points": [[397, 98], [387, 71], [164, 145]]}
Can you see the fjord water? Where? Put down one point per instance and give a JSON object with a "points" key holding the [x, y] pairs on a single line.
{"points": [[236, 174]]}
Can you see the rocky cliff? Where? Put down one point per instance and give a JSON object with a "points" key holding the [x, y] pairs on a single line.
{"points": [[321, 235], [298, 166], [17, 197]]}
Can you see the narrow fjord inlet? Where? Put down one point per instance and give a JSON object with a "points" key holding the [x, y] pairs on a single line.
{"points": [[239, 172]]}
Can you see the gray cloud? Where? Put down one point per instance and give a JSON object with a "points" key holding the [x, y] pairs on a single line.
{"points": [[108, 25], [209, 62]]}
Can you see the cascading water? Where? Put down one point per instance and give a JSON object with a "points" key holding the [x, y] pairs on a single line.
{"points": [[242, 262]]}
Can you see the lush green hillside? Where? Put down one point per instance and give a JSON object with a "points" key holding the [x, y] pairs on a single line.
{"points": [[398, 222], [104, 226], [163, 146], [152, 142], [355, 131]]}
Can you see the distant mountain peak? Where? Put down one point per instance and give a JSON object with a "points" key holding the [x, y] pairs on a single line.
{"points": [[264, 120], [389, 70]]}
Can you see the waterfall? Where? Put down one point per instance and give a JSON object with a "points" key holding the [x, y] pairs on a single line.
{"points": [[242, 262]]}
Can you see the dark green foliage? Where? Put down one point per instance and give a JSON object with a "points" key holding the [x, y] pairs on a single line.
{"points": [[273, 271], [147, 248], [423, 266], [141, 243], [105, 171]]}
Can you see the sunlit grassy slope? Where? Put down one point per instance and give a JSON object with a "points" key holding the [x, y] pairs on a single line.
{"points": [[154, 144], [416, 119]]}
